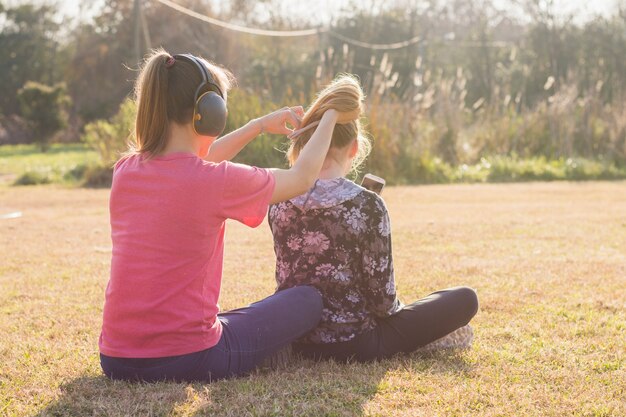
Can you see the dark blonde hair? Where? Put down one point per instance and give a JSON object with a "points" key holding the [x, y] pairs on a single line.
{"points": [[165, 94], [345, 95]]}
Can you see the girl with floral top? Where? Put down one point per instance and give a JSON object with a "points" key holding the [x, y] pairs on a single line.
{"points": [[337, 238]]}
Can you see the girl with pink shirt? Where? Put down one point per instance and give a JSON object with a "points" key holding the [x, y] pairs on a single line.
{"points": [[171, 195]]}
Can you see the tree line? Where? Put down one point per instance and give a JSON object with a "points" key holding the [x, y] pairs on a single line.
{"points": [[527, 80]]}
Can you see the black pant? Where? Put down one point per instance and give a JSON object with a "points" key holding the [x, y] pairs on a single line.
{"points": [[412, 327]]}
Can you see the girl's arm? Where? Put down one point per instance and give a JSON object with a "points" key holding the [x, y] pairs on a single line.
{"points": [[301, 176], [228, 146]]}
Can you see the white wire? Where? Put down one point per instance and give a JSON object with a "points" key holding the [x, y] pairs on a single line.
{"points": [[311, 32], [376, 46], [237, 28]]}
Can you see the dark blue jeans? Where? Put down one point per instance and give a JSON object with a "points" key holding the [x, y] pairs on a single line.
{"points": [[250, 335]]}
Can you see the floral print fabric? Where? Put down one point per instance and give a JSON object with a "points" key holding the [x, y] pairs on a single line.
{"points": [[337, 238]]}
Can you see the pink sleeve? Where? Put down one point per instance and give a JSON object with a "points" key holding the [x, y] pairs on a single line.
{"points": [[247, 192]]}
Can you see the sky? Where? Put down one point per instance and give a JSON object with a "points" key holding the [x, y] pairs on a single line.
{"points": [[325, 9]]}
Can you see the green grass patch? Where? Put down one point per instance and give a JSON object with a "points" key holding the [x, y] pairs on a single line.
{"points": [[78, 163], [496, 169], [62, 163]]}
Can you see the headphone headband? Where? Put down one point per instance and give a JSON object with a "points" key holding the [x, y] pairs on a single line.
{"points": [[206, 75]]}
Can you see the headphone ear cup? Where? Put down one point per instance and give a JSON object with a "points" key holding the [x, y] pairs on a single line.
{"points": [[210, 114]]}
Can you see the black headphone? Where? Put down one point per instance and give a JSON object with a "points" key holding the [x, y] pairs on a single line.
{"points": [[209, 110]]}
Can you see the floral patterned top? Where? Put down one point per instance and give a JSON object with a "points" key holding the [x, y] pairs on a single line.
{"points": [[337, 238]]}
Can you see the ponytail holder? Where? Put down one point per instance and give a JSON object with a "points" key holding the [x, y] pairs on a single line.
{"points": [[170, 62], [295, 133]]}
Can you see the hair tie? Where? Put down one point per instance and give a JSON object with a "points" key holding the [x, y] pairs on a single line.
{"points": [[170, 62], [295, 133]]}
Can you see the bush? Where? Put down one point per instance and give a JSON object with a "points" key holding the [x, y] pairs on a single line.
{"points": [[265, 151], [98, 176], [428, 170], [45, 109], [76, 173], [110, 137], [32, 178]]}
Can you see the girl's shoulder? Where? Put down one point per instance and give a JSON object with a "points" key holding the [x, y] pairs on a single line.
{"points": [[331, 194], [125, 159], [370, 201]]}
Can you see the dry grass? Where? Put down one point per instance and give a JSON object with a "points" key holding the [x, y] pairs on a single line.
{"points": [[548, 261]]}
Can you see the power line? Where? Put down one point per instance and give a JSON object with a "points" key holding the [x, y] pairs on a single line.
{"points": [[376, 46], [316, 31], [287, 33], [237, 28]]}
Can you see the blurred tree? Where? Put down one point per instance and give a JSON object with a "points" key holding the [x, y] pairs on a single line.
{"points": [[103, 65], [28, 43], [484, 79], [44, 107], [98, 76]]}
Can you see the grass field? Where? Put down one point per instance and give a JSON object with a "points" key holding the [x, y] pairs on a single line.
{"points": [[53, 165], [548, 262], [75, 164]]}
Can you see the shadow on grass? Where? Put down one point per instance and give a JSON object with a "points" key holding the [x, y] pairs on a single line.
{"points": [[99, 396], [302, 388]]}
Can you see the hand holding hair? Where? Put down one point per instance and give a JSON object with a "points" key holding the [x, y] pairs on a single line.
{"points": [[344, 94], [348, 116], [277, 122], [344, 97], [342, 118]]}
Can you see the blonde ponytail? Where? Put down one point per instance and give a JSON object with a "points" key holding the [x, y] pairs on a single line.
{"points": [[345, 95]]}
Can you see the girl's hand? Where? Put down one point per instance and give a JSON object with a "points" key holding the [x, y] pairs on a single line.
{"points": [[278, 122], [345, 116]]}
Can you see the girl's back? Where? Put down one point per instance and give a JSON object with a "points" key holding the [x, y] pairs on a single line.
{"points": [[168, 239], [337, 238]]}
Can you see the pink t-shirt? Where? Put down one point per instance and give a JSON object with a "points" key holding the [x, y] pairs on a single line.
{"points": [[167, 228]]}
